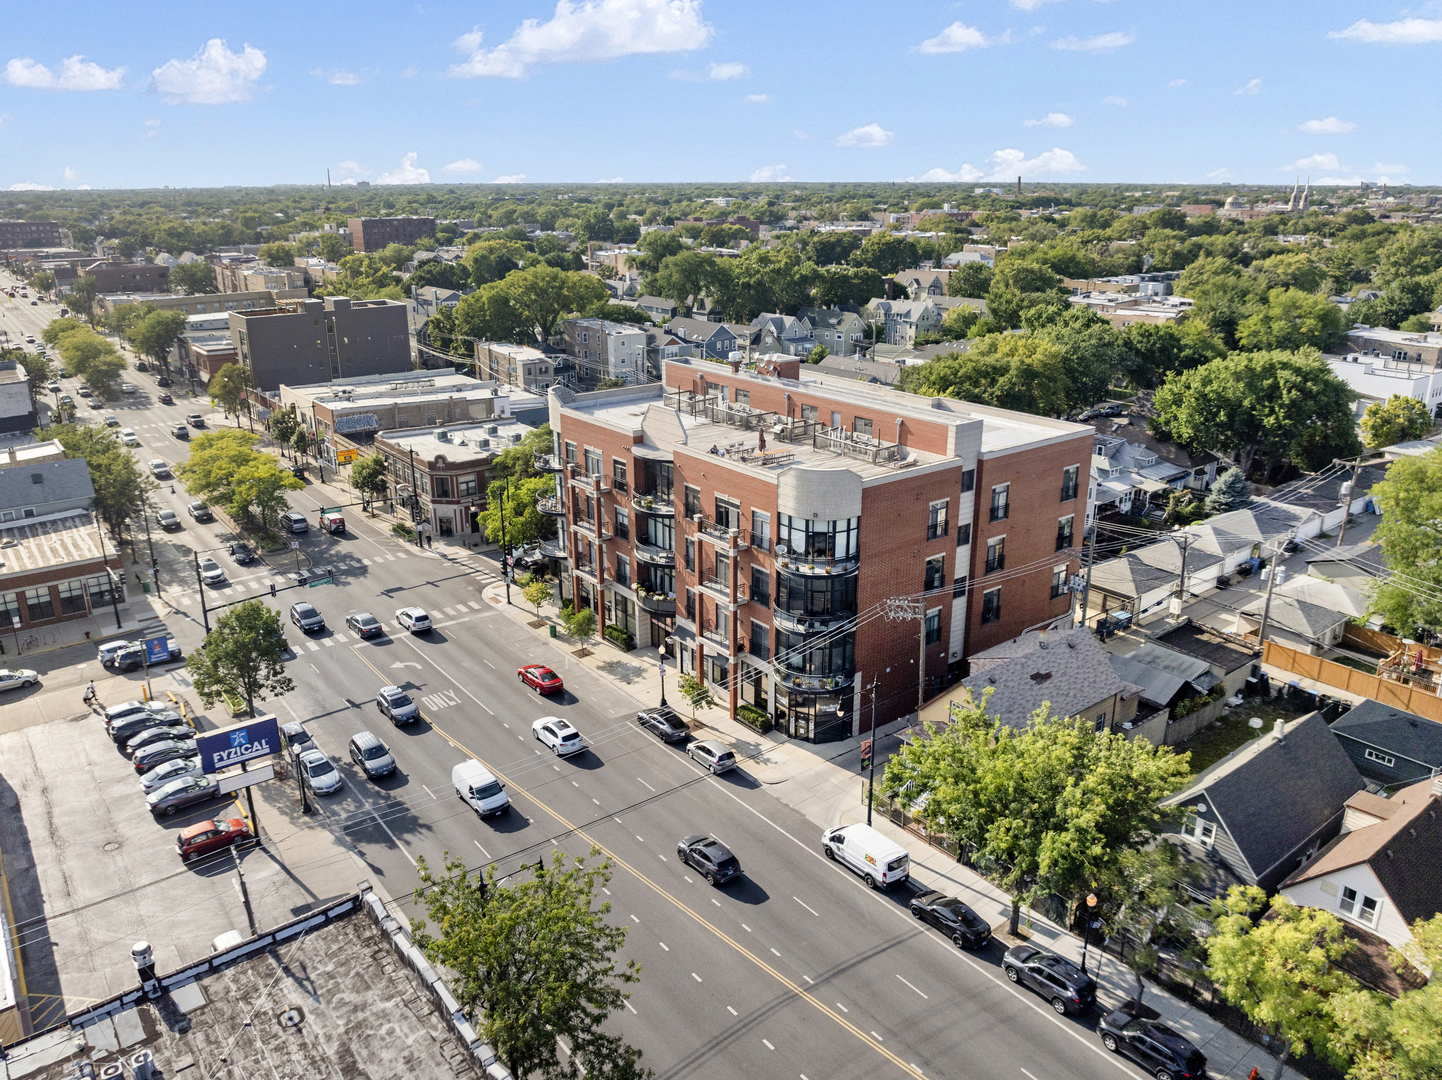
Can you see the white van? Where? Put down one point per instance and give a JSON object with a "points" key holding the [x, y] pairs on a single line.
{"points": [[880, 862], [479, 789]]}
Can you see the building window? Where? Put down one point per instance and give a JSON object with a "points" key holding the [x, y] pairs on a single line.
{"points": [[443, 487], [963, 534], [466, 487], [570, 453], [72, 598], [1359, 906], [958, 588], [862, 426], [10, 607], [995, 554], [593, 463], [623, 525], [1202, 831], [1386, 760], [623, 570], [693, 501], [39, 604], [1000, 502], [760, 643], [990, 606], [691, 604], [1064, 531], [618, 475], [743, 397], [968, 481], [809, 415], [936, 519], [760, 530], [935, 572], [690, 554], [1069, 482], [728, 513], [1058, 581], [760, 586], [933, 626]]}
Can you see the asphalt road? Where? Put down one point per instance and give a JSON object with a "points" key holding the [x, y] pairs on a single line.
{"points": [[795, 970]]}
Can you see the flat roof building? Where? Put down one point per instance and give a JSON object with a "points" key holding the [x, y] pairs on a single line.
{"points": [[374, 234], [310, 341], [30, 234]]}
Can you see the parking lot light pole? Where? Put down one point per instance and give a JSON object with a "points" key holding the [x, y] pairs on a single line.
{"points": [[200, 584]]}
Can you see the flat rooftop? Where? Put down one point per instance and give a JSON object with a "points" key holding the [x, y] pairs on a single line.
{"points": [[40, 543], [462, 440]]}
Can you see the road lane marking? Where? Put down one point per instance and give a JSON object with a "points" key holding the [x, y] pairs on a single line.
{"points": [[715, 901], [629, 1006], [807, 906], [777, 953], [809, 979], [648, 786], [664, 945], [473, 604], [876, 1036], [732, 1011], [635, 920], [768, 1045], [448, 675], [484, 852], [664, 859], [642, 841], [746, 928], [1028, 1074], [842, 1007], [914, 988], [429, 792], [695, 976]]}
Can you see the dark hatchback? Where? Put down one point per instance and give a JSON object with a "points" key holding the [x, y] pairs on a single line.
{"points": [[966, 928], [1166, 1054], [1053, 977], [664, 724], [710, 858]]}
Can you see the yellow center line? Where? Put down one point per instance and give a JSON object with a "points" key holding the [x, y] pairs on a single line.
{"points": [[795, 988]]}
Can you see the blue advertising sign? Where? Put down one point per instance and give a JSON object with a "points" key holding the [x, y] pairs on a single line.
{"points": [[157, 650], [239, 742]]}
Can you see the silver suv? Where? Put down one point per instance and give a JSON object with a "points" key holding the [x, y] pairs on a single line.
{"points": [[371, 755]]}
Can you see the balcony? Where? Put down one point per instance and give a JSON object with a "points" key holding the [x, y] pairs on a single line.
{"points": [[799, 563], [714, 635], [818, 684], [810, 624], [655, 603], [719, 589], [555, 549], [656, 556], [619, 485], [596, 530], [727, 539], [587, 482], [587, 570], [548, 463], [658, 505], [549, 504]]}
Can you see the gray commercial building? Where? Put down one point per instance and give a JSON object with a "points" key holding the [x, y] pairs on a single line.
{"points": [[315, 341]]}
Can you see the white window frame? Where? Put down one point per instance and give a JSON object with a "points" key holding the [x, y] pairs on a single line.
{"points": [[1385, 760], [1355, 906], [1202, 831]]}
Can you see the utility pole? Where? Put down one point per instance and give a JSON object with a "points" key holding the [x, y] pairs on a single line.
{"points": [[1274, 570], [505, 547], [900, 609], [200, 584], [1087, 588], [154, 566], [868, 750], [1182, 538], [1347, 489], [115, 586]]}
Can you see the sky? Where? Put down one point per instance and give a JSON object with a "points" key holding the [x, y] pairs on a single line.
{"points": [[584, 91]]}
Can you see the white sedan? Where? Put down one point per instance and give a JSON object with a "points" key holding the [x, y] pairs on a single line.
{"points": [[559, 735], [414, 619], [321, 775], [17, 678], [211, 572]]}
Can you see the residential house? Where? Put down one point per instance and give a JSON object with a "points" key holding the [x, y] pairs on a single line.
{"points": [[1388, 745], [1358, 566], [841, 332], [792, 334], [607, 350], [1123, 310], [713, 340], [1305, 612], [1403, 346], [1267, 808], [111, 277], [658, 307], [17, 403], [520, 366], [921, 283], [1384, 872], [1230, 660], [662, 345], [904, 319], [1200, 467]]}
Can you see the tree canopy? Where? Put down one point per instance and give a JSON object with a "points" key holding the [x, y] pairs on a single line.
{"points": [[1398, 419], [1411, 501], [1006, 371], [242, 655]]}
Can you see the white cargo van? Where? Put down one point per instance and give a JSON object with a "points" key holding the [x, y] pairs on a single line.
{"points": [[880, 862], [479, 789]]}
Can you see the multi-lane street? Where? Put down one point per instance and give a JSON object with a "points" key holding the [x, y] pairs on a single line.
{"points": [[797, 969]]}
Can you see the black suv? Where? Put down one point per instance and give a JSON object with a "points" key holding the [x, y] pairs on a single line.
{"points": [[664, 724], [306, 617], [711, 858], [965, 927], [1158, 1049], [1057, 979]]}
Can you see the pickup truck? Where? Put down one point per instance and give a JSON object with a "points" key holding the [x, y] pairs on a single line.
{"points": [[331, 520]]}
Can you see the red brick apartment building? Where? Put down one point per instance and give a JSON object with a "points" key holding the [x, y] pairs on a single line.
{"points": [[761, 520]]}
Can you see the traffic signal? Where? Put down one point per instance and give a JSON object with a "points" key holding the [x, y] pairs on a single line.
{"points": [[866, 754]]}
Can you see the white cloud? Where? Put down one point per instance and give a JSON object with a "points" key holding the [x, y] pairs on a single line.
{"points": [[958, 37], [587, 32], [83, 187], [352, 166], [407, 172], [1313, 161], [868, 136], [1053, 119], [514, 178], [1329, 126], [1219, 174], [757, 99], [29, 185], [612, 180], [69, 173], [769, 174], [1009, 164], [1112, 99], [1031, 5], [732, 70], [343, 78], [1254, 86], [76, 73], [1177, 82], [152, 128], [1100, 43], [463, 167], [1401, 32], [213, 76]]}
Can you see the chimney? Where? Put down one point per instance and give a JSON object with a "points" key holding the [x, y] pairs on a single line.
{"points": [[1041, 641], [1280, 731]]}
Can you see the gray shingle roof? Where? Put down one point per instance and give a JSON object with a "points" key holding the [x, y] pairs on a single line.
{"points": [[1158, 687], [1070, 672], [1402, 733], [61, 482]]}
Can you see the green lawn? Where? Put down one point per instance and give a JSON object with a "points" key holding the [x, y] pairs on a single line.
{"points": [[1217, 740]]}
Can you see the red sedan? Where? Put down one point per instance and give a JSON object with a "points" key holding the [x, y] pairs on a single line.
{"points": [[207, 836], [540, 678]]}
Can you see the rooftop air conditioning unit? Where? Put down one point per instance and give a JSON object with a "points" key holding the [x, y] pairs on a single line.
{"points": [[442, 435], [493, 430], [483, 443]]}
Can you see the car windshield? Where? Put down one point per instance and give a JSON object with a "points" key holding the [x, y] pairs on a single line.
{"points": [[488, 791], [397, 700], [367, 621], [370, 753], [321, 767], [545, 674]]}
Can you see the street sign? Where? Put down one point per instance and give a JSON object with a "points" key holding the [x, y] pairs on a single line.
{"points": [[319, 581], [345, 457], [237, 780], [229, 746], [157, 650], [662, 669], [295, 545]]}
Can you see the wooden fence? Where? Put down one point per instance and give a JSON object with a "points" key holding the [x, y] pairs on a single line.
{"points": [[1411, 699]]}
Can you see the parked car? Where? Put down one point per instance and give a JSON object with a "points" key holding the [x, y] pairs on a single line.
{"points": [[17, 678], [173, 769], [181, 792], [127, 388], [241, 553], [540, 678], [1054, 977], [128, 437], [141, 365], [396, 704], [195, 419], [1166, 1054], [714, 754], [84, 391], [155, 753], [176, 729], [880, 861], [206, 836], [371, 755], [165, 380], [133, 658], [364, 624], [160, 468], [413, 619], [306, 617], [1112, 410], [297, 739], [709, 857], [559, 735], [294, 521], [112, 421], [126, 728], [210, 572], [319, 773], [952, 917], [114, 713], [199, 511], [180, 431], [664, 723]]}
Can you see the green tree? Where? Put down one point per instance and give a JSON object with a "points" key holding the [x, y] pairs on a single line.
{"points": [[1411, 501], [654, 248], [331, 247], [684, 277], [120, 487], [230, 386], [1007, 371], [1267, 409], [581, 624], [301, 442], [157, 333], [491, 260], [970, 279], [525, 305], [1401, 1039], [119, 320], [818, 354], [216, 459], [886, 253], [1399, 419], [438, 273], [283, 425], [277, 253], [194, 278], [1231, 491], [102, 373], [1282, 970], [537, 591], [1091, 351], [395, 256], [43, 281], [1053, 804], [837, 285], [242, 655], [55, 329], [39, 371], [523, 523], [1293, 320], [519, 462], [534, 962], [1155, 350], [368, 476], [82, 296], [959, 322], [696, 692]]}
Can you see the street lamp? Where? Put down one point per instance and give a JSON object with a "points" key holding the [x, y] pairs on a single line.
{"points": [[668, 642], [1087, 940]]}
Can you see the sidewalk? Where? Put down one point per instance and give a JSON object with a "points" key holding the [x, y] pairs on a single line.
{"points": [[808, 778], [136, 620]]}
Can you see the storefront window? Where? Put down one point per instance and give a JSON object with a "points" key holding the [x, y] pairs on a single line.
{"points": [[39, 604], [72, 598]]}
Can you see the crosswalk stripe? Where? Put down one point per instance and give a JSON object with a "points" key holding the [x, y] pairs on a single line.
{"points": [[328, 642], [400, 555], [313, 646], [473, 604], [339, 636], [365, 562]]}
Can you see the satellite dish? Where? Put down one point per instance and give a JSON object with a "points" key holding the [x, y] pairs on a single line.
{"points": [[1255, 722]]}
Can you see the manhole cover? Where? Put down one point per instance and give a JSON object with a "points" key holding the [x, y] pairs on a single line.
{"points": [[112, 846]]}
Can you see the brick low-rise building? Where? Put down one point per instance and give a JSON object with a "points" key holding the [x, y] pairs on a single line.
{"points": [[30, 234], [761, 526], [375, 234], [128, 277]]}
